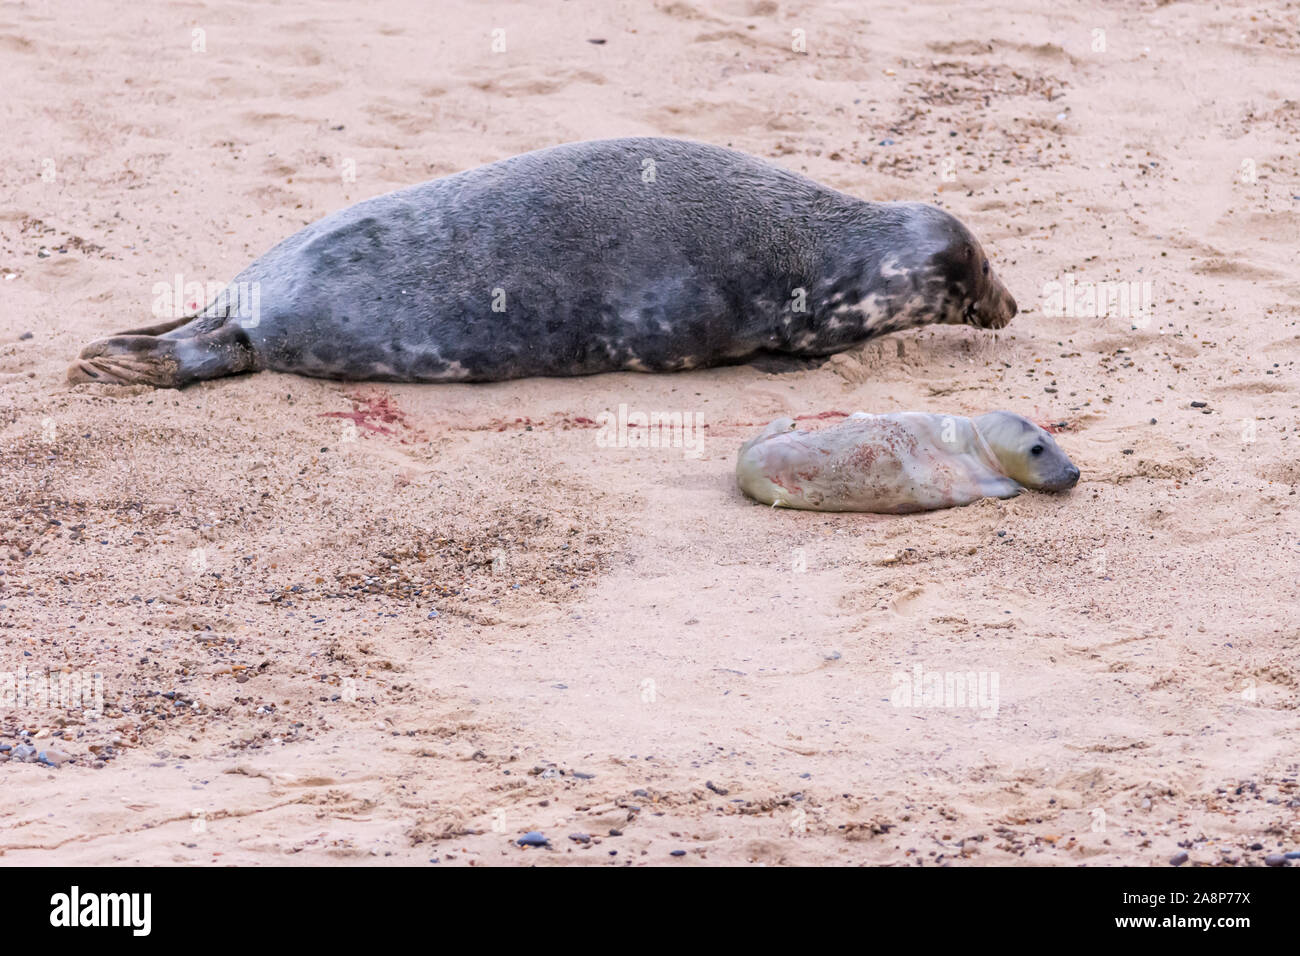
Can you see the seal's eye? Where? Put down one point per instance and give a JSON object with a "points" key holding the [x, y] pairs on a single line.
{"points": [[1036, 450], [986, 267]]}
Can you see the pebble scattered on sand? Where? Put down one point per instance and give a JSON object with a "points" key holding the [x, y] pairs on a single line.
{"points": [[53, 758]]}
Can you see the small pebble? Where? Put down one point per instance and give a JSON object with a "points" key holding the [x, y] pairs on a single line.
{"points": [[1275, 859], [533, 838], [1178, 859], [53, 758]]}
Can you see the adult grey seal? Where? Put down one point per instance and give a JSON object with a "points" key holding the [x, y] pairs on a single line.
{"points": [[625, 254], [909, 461]]}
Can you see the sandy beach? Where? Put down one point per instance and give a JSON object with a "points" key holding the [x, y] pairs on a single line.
{"points": [[407, 624]]}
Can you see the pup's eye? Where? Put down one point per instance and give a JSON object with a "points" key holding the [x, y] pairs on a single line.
{"points": [[1036, 450], [986, 267]]}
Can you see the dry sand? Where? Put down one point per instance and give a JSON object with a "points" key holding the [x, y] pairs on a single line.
{"points": [[622, 641]]}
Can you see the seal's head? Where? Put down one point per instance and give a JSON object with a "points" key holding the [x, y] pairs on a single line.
{"points": [[1027, 453], [969, 291]]}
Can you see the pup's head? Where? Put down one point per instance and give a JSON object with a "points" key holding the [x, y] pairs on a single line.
{"points": [[1027, 453]]}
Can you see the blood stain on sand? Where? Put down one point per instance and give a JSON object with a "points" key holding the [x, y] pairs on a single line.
{"points": [[372, 412]]}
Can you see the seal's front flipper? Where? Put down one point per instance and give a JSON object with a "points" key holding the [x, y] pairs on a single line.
{"points": [[958, 481], [161, 362], [1000, 486]]}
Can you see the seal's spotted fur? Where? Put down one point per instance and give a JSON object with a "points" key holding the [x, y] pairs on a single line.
{"points": [[627, 254]]}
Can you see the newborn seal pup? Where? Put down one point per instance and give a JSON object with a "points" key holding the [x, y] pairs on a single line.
{"points": [[909, 461], [626, 254]]}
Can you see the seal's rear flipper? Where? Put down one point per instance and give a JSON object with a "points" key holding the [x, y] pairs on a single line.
{"points": [[160, 329], [161, 362]]}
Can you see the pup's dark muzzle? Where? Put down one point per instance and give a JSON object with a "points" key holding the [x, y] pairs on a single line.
{"points": [[1068, 479]]}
